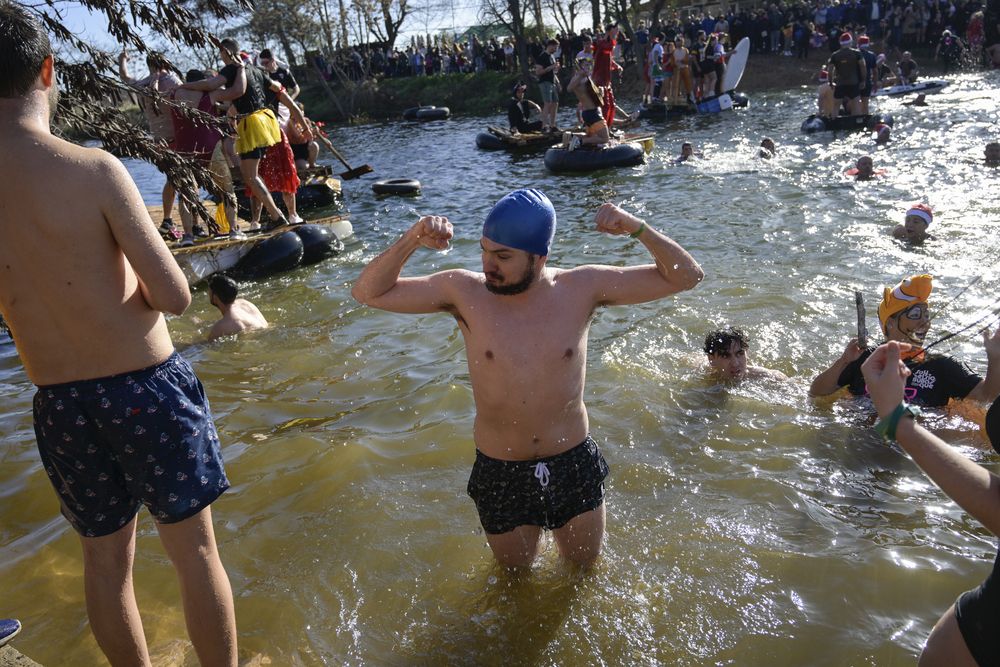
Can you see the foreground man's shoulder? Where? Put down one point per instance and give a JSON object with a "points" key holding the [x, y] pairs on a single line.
{"points": [[85, 161]]}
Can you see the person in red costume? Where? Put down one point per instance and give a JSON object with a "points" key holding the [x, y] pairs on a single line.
{"points": [[603, 65]]}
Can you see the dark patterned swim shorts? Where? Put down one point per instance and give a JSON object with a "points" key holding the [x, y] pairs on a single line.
{"points": [[142, 437], [544, 492]]}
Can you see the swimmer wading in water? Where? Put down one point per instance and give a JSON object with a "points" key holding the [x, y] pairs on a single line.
{"points": [[525, 327]]}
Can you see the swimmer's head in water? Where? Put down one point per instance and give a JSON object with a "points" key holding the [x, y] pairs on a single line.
{"points": [[727, 352], [882, 132], [223, 287], [865, 166], [921, 211], [992, 153], [915, 223], [525, 220], [903, 311], [687, 149]]}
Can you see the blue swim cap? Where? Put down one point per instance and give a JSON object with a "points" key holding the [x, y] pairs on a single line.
{"points": [[525, 219]]}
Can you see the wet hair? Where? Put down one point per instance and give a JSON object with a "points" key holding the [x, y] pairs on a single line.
{"points": [[721, 340], [231, 44], [194, 75], [223, 287], [266, 53], [765, 140], [24, 46]]}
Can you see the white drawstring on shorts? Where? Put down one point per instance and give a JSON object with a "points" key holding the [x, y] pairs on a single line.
{"points": [[542, 473]]}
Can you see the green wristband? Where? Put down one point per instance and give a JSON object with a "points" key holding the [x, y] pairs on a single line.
{"points": [[639, 231], [886, 428]]}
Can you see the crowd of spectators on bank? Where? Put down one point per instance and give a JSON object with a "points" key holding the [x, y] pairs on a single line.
{"points": [[778, 28]]}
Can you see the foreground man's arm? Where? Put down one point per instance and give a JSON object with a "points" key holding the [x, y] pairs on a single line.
{"points": [[989, 388], [971, 486], [161, 281], [674, 270], [380, 286]]}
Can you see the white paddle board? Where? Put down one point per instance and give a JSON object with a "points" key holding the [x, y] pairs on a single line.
{"points": [[737, 63]]}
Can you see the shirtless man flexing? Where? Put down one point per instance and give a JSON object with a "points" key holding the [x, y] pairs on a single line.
{"points": [[525, 327], [120, 419]]}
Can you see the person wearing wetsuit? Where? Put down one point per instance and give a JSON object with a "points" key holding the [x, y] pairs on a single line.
{"points": [[870, 83], [519, 113], [848, 74], [907, 70]]}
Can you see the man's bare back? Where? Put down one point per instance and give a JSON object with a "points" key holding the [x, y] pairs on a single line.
{"points": [[85, 278], [79, 210], [242, 316]]}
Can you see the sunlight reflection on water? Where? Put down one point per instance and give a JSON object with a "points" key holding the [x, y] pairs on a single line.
{"points": [[749, 525]]}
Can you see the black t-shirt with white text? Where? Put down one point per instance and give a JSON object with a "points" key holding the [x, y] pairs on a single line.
{"points": [[931, 384]]}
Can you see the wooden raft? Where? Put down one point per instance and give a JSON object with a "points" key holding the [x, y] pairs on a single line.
{"points": [[219, 242], [527, 139]]}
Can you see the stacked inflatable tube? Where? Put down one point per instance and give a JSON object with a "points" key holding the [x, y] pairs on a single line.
{"points": [[560, 160], [299, 246]]}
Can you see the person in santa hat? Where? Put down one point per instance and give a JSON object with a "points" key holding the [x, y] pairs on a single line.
{"points": [[914, 226], [849, 73]]}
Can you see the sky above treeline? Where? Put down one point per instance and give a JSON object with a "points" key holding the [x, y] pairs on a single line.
{"points": [[92, 27]]}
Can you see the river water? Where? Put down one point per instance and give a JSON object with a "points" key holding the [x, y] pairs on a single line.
{"points": [[748, 526]]}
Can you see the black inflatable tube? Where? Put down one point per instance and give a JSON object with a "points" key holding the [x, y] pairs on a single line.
{"points": [[434, 113], [411, 114], [318, 243], [277, 254], [560, 160], [396, 186], [489, 142]]}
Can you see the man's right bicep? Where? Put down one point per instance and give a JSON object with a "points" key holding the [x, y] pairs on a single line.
{"points": [[428, 294]]}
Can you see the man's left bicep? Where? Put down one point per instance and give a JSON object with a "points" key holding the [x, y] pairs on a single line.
{"points": [[620, 286]]}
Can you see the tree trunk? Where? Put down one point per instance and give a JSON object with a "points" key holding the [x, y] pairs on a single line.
{"points": [[522, 48], [286, 45], [343, 25]]}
